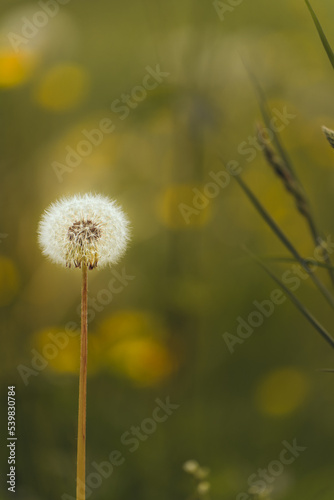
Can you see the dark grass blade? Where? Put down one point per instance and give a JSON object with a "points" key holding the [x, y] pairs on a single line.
{"points": [[308, 315], [284, 239], [321, 34], [290, 260], [266, 115], [307, 261]]}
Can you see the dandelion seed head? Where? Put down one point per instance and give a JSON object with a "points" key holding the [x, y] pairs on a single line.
{"points": [[90, 229]]}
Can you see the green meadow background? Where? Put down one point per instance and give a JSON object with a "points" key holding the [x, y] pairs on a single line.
{"points": [[185, 280]]}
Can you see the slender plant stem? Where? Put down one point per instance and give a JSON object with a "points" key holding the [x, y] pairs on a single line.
{"points": [[314, 322], [81, 451], [284, 239], [267, 117]]}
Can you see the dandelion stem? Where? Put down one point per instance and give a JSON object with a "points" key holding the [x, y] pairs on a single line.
{"points": [[81, 450]]}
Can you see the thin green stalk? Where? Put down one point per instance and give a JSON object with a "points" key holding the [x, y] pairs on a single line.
{"points": [[321, 34], [265, 111], [284, 239], [307, 261], [314, 322], [267, 118], [266, 115], [81, 450], [330, 55]]}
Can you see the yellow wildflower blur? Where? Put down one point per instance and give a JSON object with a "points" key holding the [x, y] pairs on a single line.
{"points": [[15, 68], [133, 344], [62, 87], [282, 391], [62, 353], [128, 343]]}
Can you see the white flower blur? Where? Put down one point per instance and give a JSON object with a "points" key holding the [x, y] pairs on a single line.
{"points": [[89, 229], [191, 466]]}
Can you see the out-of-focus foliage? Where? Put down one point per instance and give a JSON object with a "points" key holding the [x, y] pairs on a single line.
{"points": [[141, 101]]}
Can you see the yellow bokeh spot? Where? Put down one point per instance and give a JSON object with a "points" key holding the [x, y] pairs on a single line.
{"points": [[132, 344], [61, 351], [184, 205], [9, 280], [130, 324], [63, 87], [105, 147], [145, 361], [124, 345], [15, 68], [282, 391]]}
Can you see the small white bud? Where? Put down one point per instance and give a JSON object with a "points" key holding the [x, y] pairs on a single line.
{"points": [[203, 487], [191, 466]]}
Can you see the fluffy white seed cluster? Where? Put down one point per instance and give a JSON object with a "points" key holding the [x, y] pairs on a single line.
{"points": [[90, 229]]}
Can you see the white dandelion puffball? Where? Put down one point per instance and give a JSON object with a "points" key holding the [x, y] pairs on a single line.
{"points": [[89, 229]]}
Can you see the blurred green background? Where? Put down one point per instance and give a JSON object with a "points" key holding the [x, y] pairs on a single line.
{"points": [[162, 336]]}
